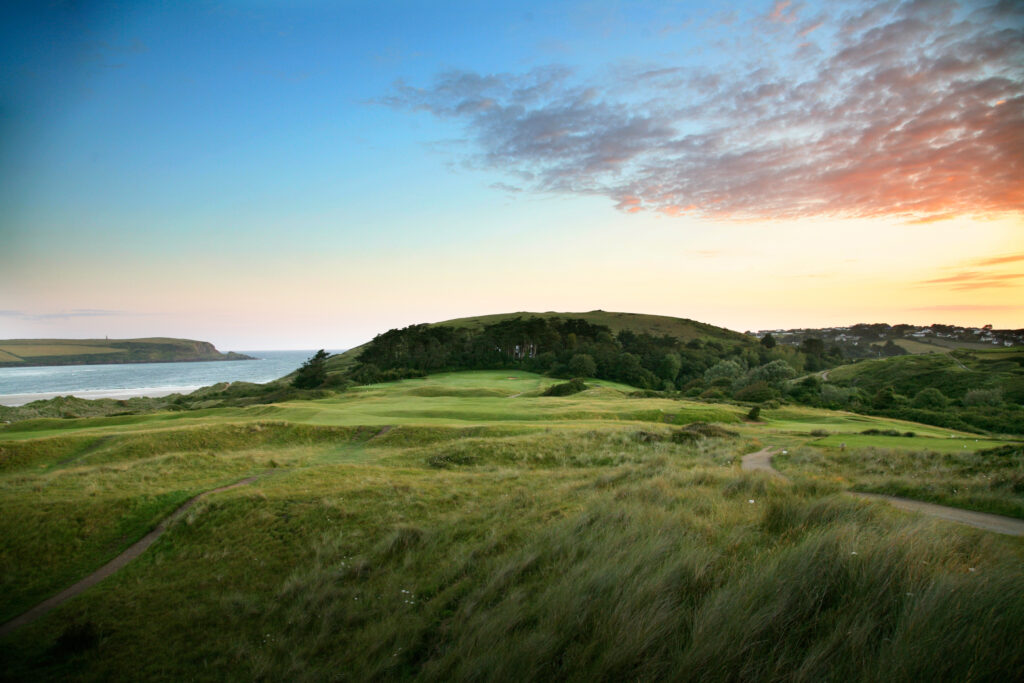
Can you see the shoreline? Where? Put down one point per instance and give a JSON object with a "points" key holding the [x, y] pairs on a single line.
{"points": [[15, 400]]}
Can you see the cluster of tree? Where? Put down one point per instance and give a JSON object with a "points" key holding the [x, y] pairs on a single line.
{"points": [[985, 409], [576, 348]]}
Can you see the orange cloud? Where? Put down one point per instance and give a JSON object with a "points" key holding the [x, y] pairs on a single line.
{"points": [[779, 12], [1000, 259], [871, 127], [975, 280]]}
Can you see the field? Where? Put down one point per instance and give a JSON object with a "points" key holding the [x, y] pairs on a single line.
{"points": [[464, 526], [6, 357], [28, 352], [33, 350], [914, 346]]}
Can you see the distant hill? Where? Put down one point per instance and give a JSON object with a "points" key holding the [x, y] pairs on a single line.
{"points": [[682, 329], [41, 352]]}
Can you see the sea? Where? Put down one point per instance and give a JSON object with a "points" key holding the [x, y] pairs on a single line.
{"points": [[19, 386]]}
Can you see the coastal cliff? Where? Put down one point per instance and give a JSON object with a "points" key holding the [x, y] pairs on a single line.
{"points": [[41, 352]]}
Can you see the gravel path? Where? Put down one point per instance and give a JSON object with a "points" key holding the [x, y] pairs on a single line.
{"points": [[121, 560], [761, 461], [981, 520]]}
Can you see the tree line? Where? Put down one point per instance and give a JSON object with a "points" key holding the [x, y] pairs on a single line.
{"points": [[571, 347]]}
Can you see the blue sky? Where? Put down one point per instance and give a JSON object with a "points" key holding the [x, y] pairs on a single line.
{"points": [[266, 174]]}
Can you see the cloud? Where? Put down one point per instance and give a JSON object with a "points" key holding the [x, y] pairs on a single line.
{"points": [[976, 280], [912, 110], [782, 12], [505, 187], [967, 307], [64, 315], [999, 259]]}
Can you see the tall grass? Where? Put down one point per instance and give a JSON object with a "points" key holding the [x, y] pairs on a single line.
{"points": [[529, 549], [988, 481]]}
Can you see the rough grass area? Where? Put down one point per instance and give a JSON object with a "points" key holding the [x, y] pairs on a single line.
{"points": [[404, 535], [988, 481], [32, 350]]}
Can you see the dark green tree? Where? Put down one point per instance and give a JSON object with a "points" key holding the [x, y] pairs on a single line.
{"points": [[582, 365], [312, 373], [768, 341], [669, 366], [812, 346]]}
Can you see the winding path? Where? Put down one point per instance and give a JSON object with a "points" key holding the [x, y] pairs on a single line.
{"points": [[115, 564], [761, 461]]}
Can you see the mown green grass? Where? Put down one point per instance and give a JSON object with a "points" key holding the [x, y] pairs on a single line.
{"points": [[403, 535]]}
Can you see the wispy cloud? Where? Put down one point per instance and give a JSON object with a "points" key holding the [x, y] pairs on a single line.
{"points": [[782, 11], [64, 315], [505, 187], [976, 280], [997, 260], [953, 308], [902, 109]]}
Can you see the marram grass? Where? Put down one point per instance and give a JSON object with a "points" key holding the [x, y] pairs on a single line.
{"points": [[524, 549]]}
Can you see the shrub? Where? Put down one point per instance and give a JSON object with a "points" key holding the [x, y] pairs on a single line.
{"points": [[709, 430], [573, 386], [930, 398], [756, 393], [983, 397]]}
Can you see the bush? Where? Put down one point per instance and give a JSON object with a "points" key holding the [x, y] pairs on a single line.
{"points": [[573, 386], [756, 393], [755, 414], [709, 430], [983, 397], [930, 398]]}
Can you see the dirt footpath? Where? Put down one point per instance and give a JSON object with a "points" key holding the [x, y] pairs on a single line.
{"points": [[115, 564], [761, 461]]}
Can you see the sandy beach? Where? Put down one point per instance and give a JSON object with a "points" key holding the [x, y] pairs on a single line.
{"points": [[153, 392]]}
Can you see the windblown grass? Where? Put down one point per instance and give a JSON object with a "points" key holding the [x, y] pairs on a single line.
{"points": [[986, 481], [555, 548]]}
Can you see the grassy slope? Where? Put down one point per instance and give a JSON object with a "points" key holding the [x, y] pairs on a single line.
{"points": [[656, 325], [954, 376], [84, 351], [563, 528]]}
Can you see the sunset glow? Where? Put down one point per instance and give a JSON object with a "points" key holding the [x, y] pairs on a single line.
{"points": [[261, 175]]}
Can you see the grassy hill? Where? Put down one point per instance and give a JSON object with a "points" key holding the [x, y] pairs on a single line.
{"points": [[640, 323], [35, 352], [980, 390], [682, 329], [465, 526], [954, 373]]}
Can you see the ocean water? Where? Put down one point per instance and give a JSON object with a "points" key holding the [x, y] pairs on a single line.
{"points": [[22, 385]]}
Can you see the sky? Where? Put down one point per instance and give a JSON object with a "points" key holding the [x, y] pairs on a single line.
{"points": [[271, 175]]}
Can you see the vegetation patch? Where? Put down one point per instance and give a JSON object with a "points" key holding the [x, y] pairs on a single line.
{"points": [[573, 386], [990, 480], [593, 537]]}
